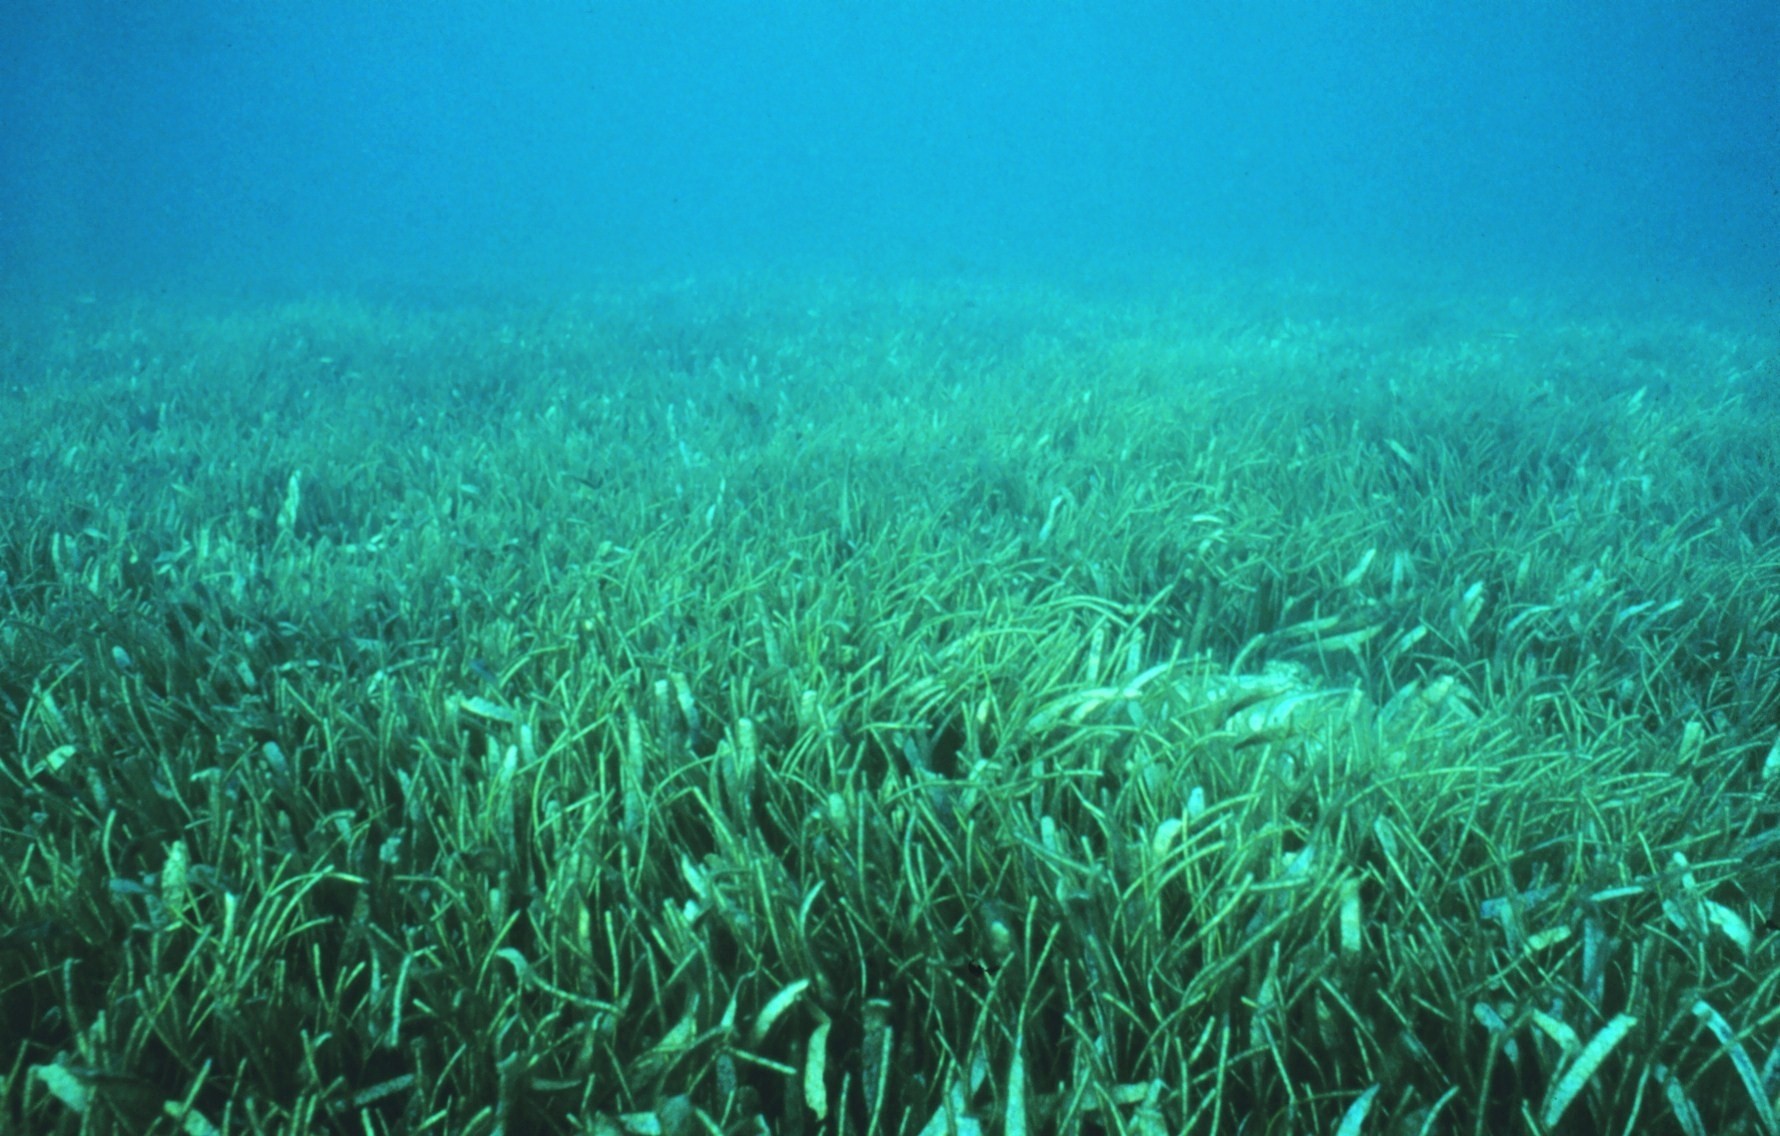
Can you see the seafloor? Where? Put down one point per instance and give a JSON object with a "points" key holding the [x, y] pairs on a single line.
{"points": [[794, 707]]}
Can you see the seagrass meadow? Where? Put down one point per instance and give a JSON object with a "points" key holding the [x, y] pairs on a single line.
{"points": [[800, 707]]}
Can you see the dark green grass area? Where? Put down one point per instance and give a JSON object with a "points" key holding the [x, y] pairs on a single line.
{"points": [[802, 708]]}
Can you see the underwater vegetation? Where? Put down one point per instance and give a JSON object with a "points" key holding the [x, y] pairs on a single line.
{"points": [[819, 708]]}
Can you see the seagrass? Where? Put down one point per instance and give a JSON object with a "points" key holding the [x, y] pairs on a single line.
{"points": [[972, 710]]}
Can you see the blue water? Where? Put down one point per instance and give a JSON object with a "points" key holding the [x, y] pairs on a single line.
{"points": [[545, 144]]}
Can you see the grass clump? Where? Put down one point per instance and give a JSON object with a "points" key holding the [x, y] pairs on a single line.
{"points": [[805, 708]]}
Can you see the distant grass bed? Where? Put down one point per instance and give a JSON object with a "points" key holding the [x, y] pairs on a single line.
{"points": [[787, 708]]}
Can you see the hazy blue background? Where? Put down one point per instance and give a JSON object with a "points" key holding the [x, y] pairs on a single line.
{"points": [[467, 143]]}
